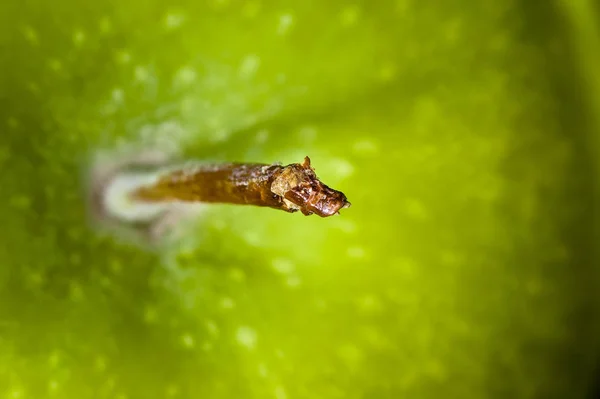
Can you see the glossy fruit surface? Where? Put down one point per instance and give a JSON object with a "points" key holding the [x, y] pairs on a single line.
{"points": [[463, 133]]}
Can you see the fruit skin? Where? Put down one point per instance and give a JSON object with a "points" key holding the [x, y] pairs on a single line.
{"points": [[462, 269]]}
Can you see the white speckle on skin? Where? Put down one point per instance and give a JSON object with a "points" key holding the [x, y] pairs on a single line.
{"points": [[184, 76], [285, 23], [117, 96], [365, 147], [280, 392], [405, 266], [453, 30], [307, 133], [263, 371], [534, 287], [246, 337], [115, 266], [110, 383], [219, 224], [369, 303], [227, 303], [174, 20], [33, 87], [214, 122], [105, 25], [320, 304], [220, 3], [350, 354], [168, 136], [249, 66], [251, 119], [5, 154], [20, 202], [293, 281], [172, 390], [345, 225], [141, 73], [54, 359], [450, 258], [272, 106], [52, 386], [387, 72], [220, 135], [283, 266], [55, 64], [237, 275], [374, 337], [415, 209], [123, 57], [252, 238], [251, 9], [35, 278], [281, 78], [75, 291], [212, 327], [356, 252], [350, 15], [402, 6], [262, 136], [150, 315], [31, 35], [78, 37], [188, 340], [435, 369], [342, 168], [12, 122], [100, 363]]}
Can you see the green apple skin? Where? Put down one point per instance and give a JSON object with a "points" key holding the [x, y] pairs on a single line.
{"points": [[459, 131]]}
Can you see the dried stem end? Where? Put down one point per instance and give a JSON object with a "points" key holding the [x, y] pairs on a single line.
{"points": [[302, 190]]}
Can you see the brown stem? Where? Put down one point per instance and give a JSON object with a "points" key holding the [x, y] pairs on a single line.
{"points": [[290, 188]]}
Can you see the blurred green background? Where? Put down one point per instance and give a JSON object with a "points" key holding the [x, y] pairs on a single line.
{"points": [[464, 133]]}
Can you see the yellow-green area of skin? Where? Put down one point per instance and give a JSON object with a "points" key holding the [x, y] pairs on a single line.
{"points": [[462, 132]]}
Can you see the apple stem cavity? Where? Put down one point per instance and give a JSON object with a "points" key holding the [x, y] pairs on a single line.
{"points": [[147, 192]]}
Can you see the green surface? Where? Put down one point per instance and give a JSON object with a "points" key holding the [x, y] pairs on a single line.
{"points": [[462, 132]]}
